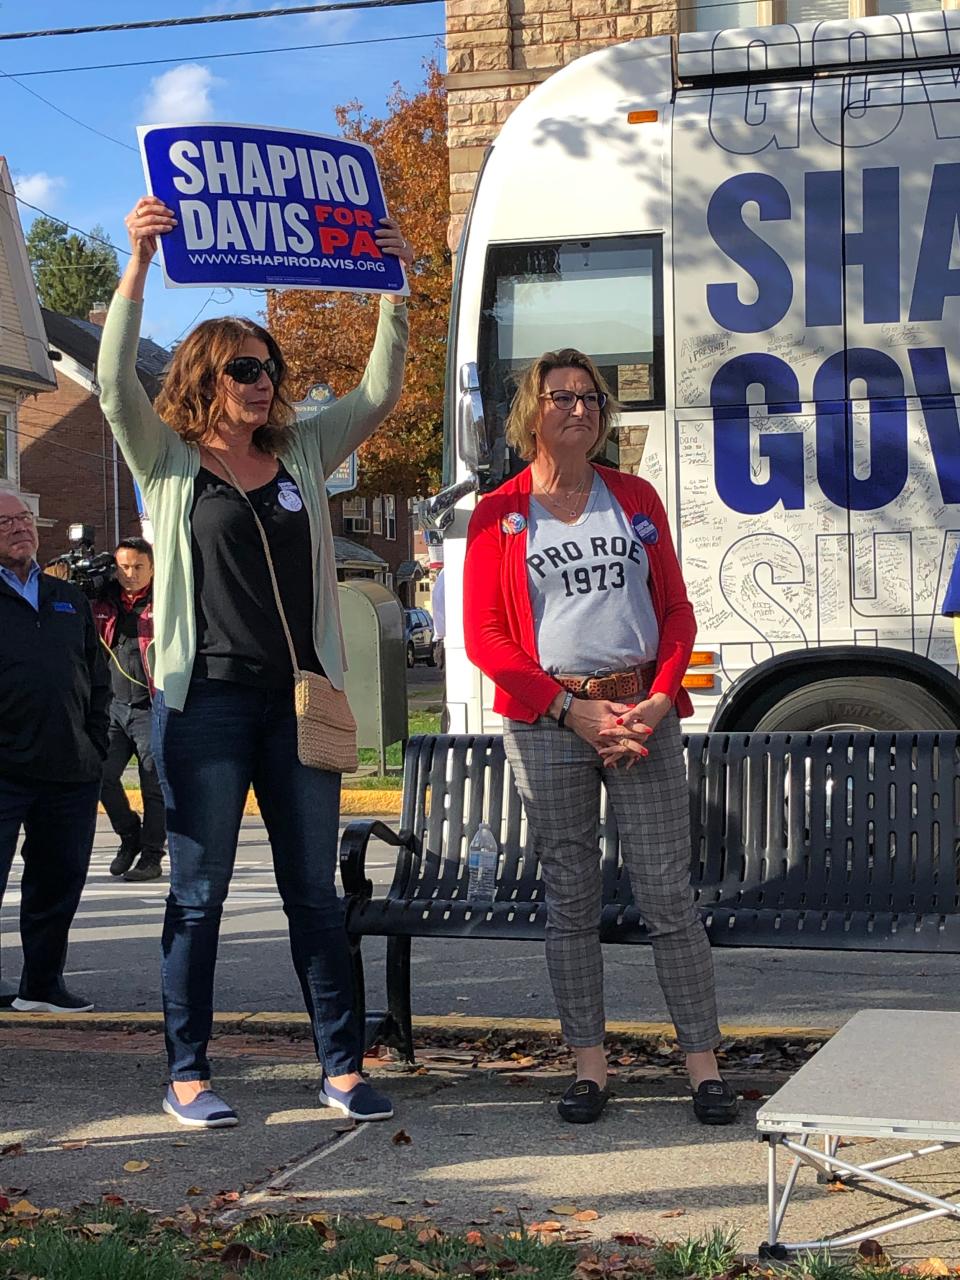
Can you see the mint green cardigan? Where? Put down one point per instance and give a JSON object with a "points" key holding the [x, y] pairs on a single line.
{"points": [[165, 468]]}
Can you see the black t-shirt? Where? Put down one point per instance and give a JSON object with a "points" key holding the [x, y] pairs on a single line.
{"points": [[239, 633], [126, 648]]}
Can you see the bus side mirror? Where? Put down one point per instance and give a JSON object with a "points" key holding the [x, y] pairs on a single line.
{"points": [[473, 444]]}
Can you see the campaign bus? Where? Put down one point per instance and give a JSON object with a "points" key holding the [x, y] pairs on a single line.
{"points": [[754, 233]]}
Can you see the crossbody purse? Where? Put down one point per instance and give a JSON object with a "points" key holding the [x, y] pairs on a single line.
{"points": [[326, 729]]}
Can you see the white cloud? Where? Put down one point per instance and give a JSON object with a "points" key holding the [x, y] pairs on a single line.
{"points": [[181, 95], [37, 188]]}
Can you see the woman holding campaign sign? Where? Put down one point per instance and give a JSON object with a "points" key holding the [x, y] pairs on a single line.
{"points": [[577, 611], [246, 592]]}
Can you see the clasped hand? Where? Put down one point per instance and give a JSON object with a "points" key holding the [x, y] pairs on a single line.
{"points": [[616, 730]]}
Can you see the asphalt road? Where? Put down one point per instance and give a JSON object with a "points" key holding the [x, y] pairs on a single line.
{"points": [[114, 959]]}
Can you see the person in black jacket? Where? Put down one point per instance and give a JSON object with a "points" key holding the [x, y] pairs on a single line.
{"points": [[123, 612], [54, 713]]}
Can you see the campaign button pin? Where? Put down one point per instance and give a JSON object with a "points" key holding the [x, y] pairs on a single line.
{"points": [[645, 529], [513, 523], [289, 497]]}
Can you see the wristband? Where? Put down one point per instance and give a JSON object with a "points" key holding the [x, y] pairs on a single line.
{"points": [[564, 708]]}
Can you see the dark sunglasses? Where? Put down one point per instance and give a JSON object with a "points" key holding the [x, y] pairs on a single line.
{"points": [[247, 369]]}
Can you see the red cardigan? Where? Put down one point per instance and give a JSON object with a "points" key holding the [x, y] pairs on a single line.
{"points": [[498, 616]]}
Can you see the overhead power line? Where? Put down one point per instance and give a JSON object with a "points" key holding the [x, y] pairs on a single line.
{"points": [[207, 19], [210, 57]]}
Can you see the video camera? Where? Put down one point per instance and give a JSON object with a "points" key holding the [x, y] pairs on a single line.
{"points": [[84, 567]]}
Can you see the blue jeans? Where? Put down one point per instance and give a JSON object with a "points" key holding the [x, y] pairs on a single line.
{"points": [[59, 820], [228, 736]]}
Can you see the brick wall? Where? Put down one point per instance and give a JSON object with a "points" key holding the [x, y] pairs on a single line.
{"points": [[66, 456], [498, 51], [393, 550]]}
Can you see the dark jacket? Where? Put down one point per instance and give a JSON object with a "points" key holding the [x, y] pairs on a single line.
{"points": [[106, 611], [54, 686]]}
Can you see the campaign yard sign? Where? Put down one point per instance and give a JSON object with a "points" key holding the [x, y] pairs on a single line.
{"points": [[258, 206]]}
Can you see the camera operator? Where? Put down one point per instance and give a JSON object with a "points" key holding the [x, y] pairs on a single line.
{"points": [[123, 611], [54, 694]]}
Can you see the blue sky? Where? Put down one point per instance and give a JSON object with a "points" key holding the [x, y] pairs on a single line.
{"points": [[85, 179]]}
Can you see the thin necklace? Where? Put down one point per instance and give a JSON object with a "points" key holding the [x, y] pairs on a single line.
{"points": [[569, 505]]}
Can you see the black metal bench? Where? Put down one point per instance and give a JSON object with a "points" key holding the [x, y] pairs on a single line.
{"points": [[836, 841]]}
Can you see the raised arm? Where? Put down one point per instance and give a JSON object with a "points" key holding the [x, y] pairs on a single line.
{"points": [[346, 424], [143, 438]]}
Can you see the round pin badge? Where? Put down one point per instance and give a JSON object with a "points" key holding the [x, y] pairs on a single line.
{"points": [[645, 529], [513, 523], [289, 498]]}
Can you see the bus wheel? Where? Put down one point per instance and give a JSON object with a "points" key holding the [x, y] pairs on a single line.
{"points": [[858, 702]]}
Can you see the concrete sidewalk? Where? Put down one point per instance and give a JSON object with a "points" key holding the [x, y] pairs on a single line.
{"points": [[476, 1140]]}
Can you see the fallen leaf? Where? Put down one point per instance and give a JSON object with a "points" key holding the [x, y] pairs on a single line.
{"points": [[116, 1201], [12, 1149], [588, 1271], [474, 1237], [429, 1235], [417, 1268], [429, 1204], [387, 1259], [390, 1224], [479, 1222], [751, 1095], [547, 1227], [239, 1254], [136, 1166], [672, 1213], [401, 1138], [499, 1209], [563, 1210], [194, 1191], [838, 1186], [872, 1252], [75, 1144], [4, 1204], [587, 1215], [932, 1267], [12, 1242], [99, 1228], [24, 1209]]}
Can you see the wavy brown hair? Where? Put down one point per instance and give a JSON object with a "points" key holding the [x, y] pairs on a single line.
{"points": [[191, 399], [524, 413]]}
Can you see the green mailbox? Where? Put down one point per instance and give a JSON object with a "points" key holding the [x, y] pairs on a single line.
{"points": [[376, 680]]}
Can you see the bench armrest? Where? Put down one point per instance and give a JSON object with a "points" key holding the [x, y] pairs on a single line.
{"points": [[353, 853]]}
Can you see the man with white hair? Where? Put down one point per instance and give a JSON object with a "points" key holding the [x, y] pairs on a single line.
{"points": [[54, 713]]}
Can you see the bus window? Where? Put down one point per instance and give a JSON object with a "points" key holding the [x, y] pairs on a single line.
{"points": [[602, 296]]}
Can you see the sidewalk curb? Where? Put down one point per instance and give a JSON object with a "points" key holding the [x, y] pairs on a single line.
{"points": [[354, 803], [297, 1026]]}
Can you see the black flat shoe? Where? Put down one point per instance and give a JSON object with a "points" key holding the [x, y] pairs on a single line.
{"points": [[583, 1103], [715, 1103]]}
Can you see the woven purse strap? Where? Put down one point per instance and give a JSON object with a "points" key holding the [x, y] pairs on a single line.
{"points": [[266, 549]]}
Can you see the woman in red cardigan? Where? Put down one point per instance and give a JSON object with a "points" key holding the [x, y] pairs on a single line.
{"points": [[577, 610]]}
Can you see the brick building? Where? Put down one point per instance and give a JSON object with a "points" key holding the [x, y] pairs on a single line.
{"points": [[67, 454]]}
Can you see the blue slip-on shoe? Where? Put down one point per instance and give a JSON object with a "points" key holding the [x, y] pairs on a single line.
{"points": [[206, 1111], [362, 1102]]}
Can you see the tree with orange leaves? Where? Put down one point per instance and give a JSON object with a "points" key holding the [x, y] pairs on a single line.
{"points": [[326, 337]]}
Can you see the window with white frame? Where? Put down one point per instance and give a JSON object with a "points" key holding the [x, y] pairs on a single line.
{"points": [[390, 517], [8, 447], [354, 508], [718, 15], [377, 515]]}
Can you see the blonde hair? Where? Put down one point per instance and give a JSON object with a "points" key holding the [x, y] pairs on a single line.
{"points": [[191, 398], [525, 411]]}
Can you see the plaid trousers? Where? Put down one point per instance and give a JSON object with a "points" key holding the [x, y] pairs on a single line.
{"points": [[558, 778]]}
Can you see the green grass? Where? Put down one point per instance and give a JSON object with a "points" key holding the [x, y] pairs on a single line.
{"points": [[141, 1246], [417, 722]]}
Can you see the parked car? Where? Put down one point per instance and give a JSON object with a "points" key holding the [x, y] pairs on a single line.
{"points": [[418, 636]]}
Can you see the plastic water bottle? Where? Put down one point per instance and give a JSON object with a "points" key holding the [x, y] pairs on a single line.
{"points": [[482, 864]]}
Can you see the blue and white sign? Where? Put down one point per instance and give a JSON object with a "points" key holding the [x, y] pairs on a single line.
{"points": [[345, 477], [262, 207]]}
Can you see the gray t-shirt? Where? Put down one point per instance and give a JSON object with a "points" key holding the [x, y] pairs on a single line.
{"points": [[588, 587]]}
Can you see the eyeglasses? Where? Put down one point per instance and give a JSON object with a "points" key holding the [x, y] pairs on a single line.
{"points": [[23, 519], [592, 401], [247, 369]]}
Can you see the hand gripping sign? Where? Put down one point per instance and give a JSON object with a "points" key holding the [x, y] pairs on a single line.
{"points": [[258, 206]]}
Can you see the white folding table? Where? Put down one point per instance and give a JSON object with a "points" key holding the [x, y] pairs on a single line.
{"points": [[892, 1074]]}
